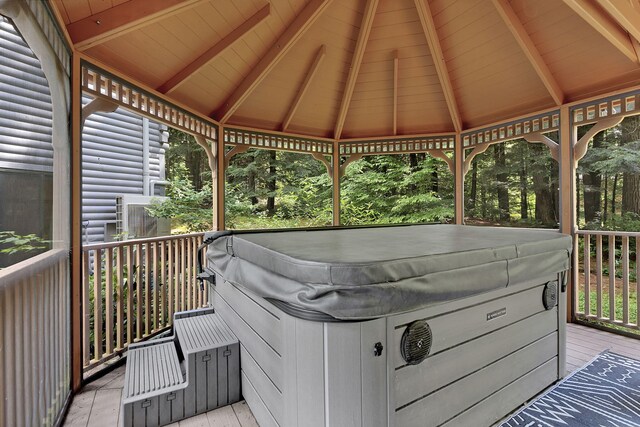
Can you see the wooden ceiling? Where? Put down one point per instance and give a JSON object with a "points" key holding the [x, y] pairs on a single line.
{"points": [[363, 68]]}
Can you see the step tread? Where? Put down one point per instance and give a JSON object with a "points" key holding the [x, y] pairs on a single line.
{"points": [[203, 332], [152, 369]]}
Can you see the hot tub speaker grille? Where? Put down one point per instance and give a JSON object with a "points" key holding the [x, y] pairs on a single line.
{"points": [[550, 295], [416, 342]]}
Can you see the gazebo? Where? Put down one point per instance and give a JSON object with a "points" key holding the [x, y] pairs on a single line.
{"points": [[334, 79]]}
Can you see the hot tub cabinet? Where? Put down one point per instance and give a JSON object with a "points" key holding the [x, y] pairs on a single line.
{"points": [[395, 326]]}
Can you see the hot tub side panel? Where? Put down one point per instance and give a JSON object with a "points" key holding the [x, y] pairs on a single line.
{"points": [[490, 353]]}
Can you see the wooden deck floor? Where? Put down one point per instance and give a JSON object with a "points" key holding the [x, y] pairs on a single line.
{"points": [[99, 402]]}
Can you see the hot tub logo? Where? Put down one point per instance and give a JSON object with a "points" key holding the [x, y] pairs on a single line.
{"points": [[497, 313]]}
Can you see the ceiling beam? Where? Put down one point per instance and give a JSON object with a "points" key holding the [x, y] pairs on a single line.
{"points": [[528, 47], [627, 13], [356, 60], [225, 43], [429, 28], [122, 19], [301, 23], [311, 72], [604, 25], [395, 93]]}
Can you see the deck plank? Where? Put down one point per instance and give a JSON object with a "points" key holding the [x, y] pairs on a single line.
{"points": [[99, 402]]}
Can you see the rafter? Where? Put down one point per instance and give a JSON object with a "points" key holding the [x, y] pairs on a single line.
{"points": [[604, 25], [122, 19], [429, 28], [278, 50], [181, 76], [627, 13], [395, 93], [311, 72], [356, 60], [531, 52]]}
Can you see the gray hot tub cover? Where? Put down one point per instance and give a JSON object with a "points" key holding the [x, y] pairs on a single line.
{"points": [[364, 273]]}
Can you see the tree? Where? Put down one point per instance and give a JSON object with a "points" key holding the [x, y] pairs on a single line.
{"points": [[502, 180]]}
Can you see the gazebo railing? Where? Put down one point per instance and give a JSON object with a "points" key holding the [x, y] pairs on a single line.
{"points": [[131, 290], [607, 289], [34, 340]]}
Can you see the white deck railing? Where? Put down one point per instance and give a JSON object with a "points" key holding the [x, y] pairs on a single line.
{"points": [[608, 286], [34, 340], [131, 290]]}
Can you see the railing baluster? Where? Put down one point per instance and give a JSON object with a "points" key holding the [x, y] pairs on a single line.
{"points": [[186, 270], [599, 276], [130, 281], [170, 281], [119, 299], [587, 274], [625, 280], [182, 276], [163, 279], [612, 278], [638, 282], [147, 289], [108, 298], [155, 283], [86, 315], [176, 276], [97, 304], [139, 291]]}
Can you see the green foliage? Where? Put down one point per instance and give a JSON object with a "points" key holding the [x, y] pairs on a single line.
{"points": [[397, 189], [17, 243], [189, 207], [527, 173]]}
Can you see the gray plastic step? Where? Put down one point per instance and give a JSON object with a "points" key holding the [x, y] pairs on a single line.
{"points": [[154, 386], [212, 353]]}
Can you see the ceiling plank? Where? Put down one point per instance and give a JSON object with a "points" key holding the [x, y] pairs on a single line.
{"points": [[430, 33], [627, 13], [302, 22], [510, 18], [356, 60], [122, 19], [606, 26], [181, 76], [395, 93], [305, 85]]}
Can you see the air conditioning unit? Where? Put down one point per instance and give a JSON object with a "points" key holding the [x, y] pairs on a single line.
{"points": [[134, 222]]}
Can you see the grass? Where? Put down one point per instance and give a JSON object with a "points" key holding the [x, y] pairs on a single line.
{"points": [[633, 308]]}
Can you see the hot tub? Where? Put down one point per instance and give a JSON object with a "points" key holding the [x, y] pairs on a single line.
{"points": [[422, 325]]}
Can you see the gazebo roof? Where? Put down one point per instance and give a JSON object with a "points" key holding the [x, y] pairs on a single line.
{"points": [[363, 68]]}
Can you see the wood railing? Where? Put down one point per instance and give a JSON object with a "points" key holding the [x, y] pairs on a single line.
{"points": [[131, 290], [34, 340], [608, 267]]}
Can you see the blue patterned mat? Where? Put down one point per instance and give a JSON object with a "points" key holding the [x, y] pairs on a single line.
{"points": [[605, 393]]}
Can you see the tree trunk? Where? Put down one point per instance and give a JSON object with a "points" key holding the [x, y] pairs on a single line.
{"points": [[473, 194], [631, 181], [631, 193], [271, 184], [434, 181], [502, 178], [614, 194], [606, 197], [251, 182], [592, 183], [542, 187], [524, 203]]}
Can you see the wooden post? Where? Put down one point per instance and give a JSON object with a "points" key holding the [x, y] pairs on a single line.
{"points": [[459, 180], [567, 194], [220, 181], [335, 175], [76, 226]]}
